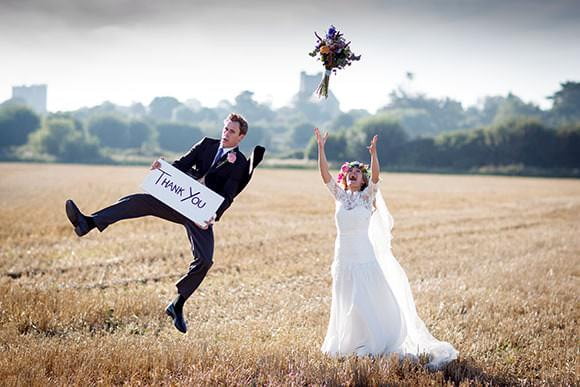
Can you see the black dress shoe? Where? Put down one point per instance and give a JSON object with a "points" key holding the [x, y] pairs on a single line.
{"points": [[78, 220], [177, 317]]}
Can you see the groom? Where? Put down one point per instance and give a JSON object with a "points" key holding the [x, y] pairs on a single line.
{"points": [[216, 163]]}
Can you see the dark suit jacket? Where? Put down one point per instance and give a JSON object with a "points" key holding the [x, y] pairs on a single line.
{"points": [[223, 177]]}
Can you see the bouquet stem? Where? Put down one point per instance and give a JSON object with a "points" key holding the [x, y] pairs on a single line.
{"points": [[322, 90]]}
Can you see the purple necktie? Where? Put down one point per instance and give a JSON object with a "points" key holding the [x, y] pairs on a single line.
{"points": [[218, 155]]}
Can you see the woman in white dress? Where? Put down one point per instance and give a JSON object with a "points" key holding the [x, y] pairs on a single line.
{"points": [[372, 310]]}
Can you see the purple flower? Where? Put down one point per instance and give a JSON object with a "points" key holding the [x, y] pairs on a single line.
{"points": [[331, 32]]}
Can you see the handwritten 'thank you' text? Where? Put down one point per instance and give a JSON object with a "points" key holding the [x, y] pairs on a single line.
{"points": [[164, 180]]}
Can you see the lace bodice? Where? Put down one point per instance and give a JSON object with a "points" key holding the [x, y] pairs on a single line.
{"points": [[350, 200], [353, 213]]}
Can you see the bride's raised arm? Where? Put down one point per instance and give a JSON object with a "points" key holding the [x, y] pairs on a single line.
{"points": [[375, 169], [322, 163]]}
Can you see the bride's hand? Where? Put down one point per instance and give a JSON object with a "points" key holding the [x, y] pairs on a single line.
{"points": [[320, 139], [373, 147]]}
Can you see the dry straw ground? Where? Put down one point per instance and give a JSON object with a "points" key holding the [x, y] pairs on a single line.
{"points": [[493, 263]]}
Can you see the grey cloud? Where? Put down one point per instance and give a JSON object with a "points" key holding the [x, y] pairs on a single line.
{"points": [[88, 14]]}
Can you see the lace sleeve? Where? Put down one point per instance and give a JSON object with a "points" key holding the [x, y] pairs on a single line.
{"points": [[334, 189], [370, 191]]}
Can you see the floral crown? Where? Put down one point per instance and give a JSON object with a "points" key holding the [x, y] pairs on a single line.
{"points": [[347, 166]]}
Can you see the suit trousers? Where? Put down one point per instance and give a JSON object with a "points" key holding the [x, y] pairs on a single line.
{"points": [[141, 204]]}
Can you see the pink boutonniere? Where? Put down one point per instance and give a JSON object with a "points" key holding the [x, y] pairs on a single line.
{"points": [[232, 157]]}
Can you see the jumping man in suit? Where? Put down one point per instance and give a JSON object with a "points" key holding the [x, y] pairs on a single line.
{"points": [[216, 163]]}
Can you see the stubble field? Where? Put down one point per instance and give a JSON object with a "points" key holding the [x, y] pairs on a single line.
{"points": [[493, 263]]}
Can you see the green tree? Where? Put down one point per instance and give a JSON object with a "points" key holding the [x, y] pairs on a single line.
{"points": [[16, 123], [139, 133], [341, 122], [566, 107], [111, 130], [67, 116], [568, 147], [518, 141], [59, 137], [531, 143], [184, 114], [257, 135], [347, 120], [161, 108], [419, 152], [335, 148], [489, 109], [207, 114], [513, 107], [462, 149], [177, 137], [301, 134], [391, 138], [250, 108], [442, 114], [416, 122], [137, 109]]}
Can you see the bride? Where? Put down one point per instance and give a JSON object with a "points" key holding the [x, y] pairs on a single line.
{"points": [[372, 310]]}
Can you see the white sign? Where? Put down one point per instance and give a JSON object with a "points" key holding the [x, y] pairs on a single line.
{"points": [[182, 192]]}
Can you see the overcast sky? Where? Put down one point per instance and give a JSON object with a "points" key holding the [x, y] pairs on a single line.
{"points": [[88, 51]]}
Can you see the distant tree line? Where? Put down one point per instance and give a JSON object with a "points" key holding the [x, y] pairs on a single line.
{"points": [[415, 130], [522, 141], [509, 133]]}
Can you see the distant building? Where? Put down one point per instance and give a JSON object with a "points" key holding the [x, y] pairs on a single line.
{"points": [[34, 96], [309, 83], [314, 107]]}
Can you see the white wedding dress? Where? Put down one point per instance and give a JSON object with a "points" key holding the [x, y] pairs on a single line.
{"points": [[372, 310]]}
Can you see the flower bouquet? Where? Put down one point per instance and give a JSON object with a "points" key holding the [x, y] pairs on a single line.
{"points": [[334, 53]]}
